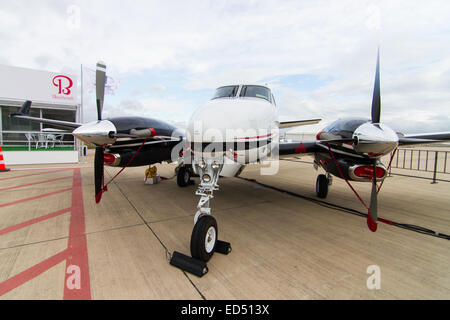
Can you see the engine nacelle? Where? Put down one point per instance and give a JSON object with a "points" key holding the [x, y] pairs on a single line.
{"points": [[148, 155], [352, 169]]}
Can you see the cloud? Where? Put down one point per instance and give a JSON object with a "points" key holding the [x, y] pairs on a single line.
{"points": [[148, 107]]}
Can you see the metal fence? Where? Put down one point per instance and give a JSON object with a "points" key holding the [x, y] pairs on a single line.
{"points": [[435, 161]]}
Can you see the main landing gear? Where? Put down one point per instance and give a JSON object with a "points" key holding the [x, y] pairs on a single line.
{"points": [[322, 183], [184, 174], [204, 238]]}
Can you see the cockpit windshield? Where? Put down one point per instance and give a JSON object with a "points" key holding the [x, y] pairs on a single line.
{"points": [[256, 92], [226, 92]]}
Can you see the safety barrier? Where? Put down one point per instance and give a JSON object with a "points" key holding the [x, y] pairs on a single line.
{"points": [[435, 161], [32, 141]]}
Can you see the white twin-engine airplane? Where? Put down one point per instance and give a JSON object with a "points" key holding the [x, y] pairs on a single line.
{"points": [[237, 127]]}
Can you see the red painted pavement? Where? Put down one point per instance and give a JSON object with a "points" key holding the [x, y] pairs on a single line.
{"points": [[34, 183], [76, 255], [31, 174]]}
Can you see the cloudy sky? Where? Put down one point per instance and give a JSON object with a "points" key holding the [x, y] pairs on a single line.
{"points": [[318, 56]]}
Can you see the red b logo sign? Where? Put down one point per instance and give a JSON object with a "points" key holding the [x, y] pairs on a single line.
{"points": [[63, 84]]}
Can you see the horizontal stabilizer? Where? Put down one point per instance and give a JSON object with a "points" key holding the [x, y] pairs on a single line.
{"points": [[25, 111]]}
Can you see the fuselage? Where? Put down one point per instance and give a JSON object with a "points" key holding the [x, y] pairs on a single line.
{"points": [[239, 123]]}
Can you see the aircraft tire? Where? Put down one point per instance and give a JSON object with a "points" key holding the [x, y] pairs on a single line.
{"points": [[183, 177], [204, 238], [322, 186]]}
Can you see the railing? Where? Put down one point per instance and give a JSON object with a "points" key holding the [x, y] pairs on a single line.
{"points": [[37, 141], [435, 161]]}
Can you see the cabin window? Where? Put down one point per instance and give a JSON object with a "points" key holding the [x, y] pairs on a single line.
{"points": [[256, 92], [226, 92]]}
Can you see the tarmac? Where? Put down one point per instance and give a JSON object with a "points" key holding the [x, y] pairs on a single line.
{"points": [[57, 243]]}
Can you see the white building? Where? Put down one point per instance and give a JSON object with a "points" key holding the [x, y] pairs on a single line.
{"points": [[54, 96]]}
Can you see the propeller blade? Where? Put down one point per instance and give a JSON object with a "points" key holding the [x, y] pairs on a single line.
{"points": [[372, 217], [98, 173], [376, 101], [100, 81]]}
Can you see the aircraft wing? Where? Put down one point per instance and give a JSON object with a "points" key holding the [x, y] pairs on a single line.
{"points": [[424, 138], [25, 111], [287, 149], [291, 124]]}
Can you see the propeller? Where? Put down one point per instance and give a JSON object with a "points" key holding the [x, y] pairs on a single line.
{"points": [[372, 217], [100, 78], [376, 101], [98, 172]]}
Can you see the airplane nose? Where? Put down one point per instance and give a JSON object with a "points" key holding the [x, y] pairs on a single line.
{"points": [[223, 119], [375, 139], [98, 132]]}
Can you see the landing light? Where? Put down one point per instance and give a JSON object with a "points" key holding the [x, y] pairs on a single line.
{"points": [[215, 165], [206, 178]]}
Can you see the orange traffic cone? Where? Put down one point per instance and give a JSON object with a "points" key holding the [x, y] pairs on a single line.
{"points": [[2, 162]]}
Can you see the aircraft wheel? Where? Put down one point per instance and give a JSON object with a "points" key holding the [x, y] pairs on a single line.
{"points": [[183, 176], [204, 238], [322, 186]]}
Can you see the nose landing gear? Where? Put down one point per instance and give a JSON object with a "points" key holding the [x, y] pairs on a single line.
{"points": [[204, 238]]}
